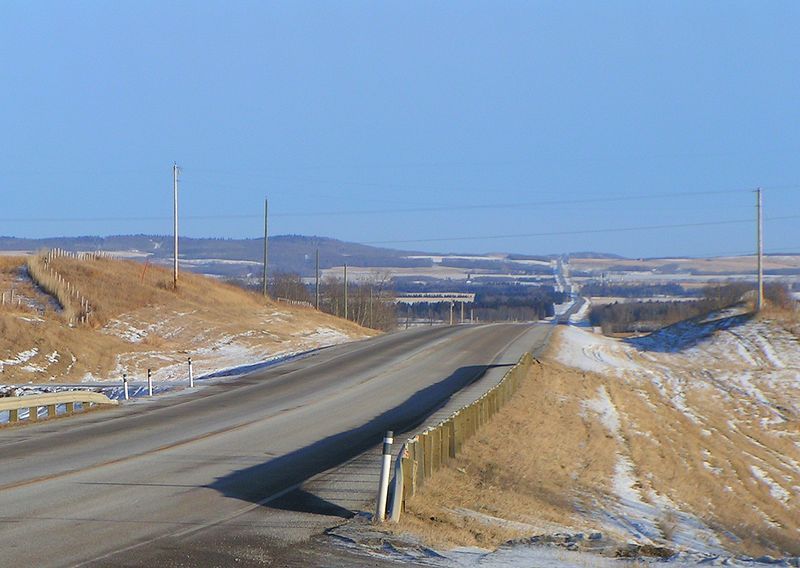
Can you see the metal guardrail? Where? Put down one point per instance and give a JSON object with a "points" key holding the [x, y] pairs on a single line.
{"points": [[13, 404], [421, 456]]}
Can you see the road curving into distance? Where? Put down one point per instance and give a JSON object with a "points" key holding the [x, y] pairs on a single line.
{"points": [[90, 489]]}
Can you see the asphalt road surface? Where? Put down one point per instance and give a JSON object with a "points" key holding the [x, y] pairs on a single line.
{"points": [[235, 473]]}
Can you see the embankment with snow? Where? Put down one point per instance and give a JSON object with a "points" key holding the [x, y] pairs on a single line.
{"points": [[706, 419]]}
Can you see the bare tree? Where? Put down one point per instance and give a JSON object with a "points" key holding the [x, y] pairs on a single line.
{"points": [[289, 286]]}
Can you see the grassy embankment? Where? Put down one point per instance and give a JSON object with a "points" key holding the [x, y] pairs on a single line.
{"points": [[139, 322], [554, 457]]}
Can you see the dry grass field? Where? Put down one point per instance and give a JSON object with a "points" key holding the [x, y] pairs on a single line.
{"points": [[139, 322], [722, 265], [693, 446]]}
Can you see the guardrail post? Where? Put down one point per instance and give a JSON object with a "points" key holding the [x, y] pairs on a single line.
{"points": [[149, 382], [69, 407], [33, 413], [13, 415], [51, 410], [191, 374], [383, 488], [125, 386]]}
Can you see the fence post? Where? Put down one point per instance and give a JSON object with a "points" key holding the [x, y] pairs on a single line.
{"points": [[409, 468], [383, 487]]}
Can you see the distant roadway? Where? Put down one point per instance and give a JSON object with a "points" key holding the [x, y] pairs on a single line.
{"points": [[153, 482]]}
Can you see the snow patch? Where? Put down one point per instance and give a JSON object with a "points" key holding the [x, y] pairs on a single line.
{"points": [[775, 490]]}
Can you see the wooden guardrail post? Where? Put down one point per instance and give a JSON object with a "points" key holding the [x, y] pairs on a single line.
{"points": [[430, 450], [409, 465]]}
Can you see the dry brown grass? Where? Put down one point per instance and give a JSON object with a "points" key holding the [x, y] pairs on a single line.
{"points": [[12, 277], [203, 314], [502, 473], [546, 461], [736, 264], [49, 281]]}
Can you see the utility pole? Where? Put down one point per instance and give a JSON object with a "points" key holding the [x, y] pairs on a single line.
{"points": [[266, 233], [175, 224], [345, 291], [760, 245], [316, 288]]}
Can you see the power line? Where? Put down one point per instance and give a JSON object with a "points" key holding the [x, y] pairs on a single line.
{"points": [[577, 232], [394, 211]]}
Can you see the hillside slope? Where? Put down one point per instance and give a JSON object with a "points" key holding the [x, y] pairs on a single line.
{"points": [[685, 441], [136, 321]]}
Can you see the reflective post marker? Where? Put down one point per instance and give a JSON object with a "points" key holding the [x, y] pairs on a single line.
{"points": [[383, 488], [191, 374], [125, 386], [149, 382]]}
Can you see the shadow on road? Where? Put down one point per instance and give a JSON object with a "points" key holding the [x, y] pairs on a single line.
{"points": [[257, 483]]}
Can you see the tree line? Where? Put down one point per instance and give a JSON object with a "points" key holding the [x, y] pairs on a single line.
{"points": [[621, 317], [369, 303]]}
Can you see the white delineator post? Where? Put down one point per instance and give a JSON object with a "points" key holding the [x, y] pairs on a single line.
{"points": [[191, 374], [125, 386], [149, 382], [383, 488]]}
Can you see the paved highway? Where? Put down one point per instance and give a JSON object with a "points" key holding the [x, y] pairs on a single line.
{"points": [[111, 487]]}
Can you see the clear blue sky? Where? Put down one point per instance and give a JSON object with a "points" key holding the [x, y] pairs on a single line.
{"points": [[556, 109]]}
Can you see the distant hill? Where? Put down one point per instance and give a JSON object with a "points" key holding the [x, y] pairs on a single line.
{"points": [[229, 257], [240, 258]]}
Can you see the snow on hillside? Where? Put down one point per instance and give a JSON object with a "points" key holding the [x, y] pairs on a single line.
{"points": [[705, 415]]}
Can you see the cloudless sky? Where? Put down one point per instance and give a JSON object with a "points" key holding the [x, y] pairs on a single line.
{"points": [[406, 123]]}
